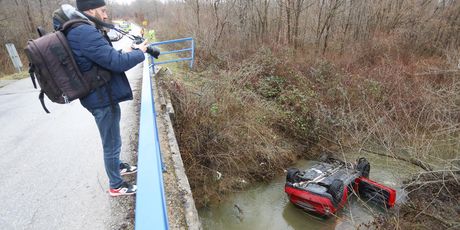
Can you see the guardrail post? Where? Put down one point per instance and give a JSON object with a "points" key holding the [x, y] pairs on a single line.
{"points": [[193, 54]]}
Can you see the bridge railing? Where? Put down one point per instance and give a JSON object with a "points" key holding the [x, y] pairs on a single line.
{"points": [[151, 210], [191, 49]]}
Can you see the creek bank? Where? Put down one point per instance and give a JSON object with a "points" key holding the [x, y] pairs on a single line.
{"points": [[244, 123], [433, 203]]}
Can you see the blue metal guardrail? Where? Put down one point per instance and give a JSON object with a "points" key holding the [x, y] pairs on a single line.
{"points": [[191, 49], [150, 199]]}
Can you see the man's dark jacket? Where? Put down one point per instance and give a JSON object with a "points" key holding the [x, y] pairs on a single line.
{"points": [[90, 47]]}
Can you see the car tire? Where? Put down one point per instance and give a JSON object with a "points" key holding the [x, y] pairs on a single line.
{"points": [[326, 157], [292, 175], [336, 190], [363, 166]]}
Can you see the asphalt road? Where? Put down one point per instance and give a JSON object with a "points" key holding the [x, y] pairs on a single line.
{"points": [[52, 170]]}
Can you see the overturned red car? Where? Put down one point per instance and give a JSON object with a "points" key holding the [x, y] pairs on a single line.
{"points": [[325, 187]]}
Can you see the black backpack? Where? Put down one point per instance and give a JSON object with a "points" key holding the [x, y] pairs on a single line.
{"points": [[52, 63]]}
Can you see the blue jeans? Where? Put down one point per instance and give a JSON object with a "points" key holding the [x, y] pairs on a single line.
{"points": [[108, 122]]}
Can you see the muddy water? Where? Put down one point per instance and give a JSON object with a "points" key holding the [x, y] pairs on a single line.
{"points": [[266, 206]]}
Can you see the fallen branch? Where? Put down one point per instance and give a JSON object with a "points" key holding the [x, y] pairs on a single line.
{"points": [[432, 182]]}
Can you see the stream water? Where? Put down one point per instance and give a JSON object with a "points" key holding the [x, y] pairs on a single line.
{"points": [[266, 206]]}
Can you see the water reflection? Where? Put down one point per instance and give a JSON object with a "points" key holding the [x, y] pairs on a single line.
{"points": [[298, 219]]}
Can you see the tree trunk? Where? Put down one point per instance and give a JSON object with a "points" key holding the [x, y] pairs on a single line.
{"points": [[318, 26], [288, 18], [197, 12], [297, 11], [326, 38], [280, 21], [32, 26], [43, 22]]}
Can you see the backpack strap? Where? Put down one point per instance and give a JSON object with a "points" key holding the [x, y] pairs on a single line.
{"points": [[109, 92], [72, 24], [65, 29], [41, 31], [32, 74], [41, 97]]}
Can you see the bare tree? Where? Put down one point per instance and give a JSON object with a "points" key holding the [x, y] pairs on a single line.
{"points": [[241, 24]]}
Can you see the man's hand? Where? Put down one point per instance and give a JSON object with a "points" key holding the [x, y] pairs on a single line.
{"points": [[143, 46]]}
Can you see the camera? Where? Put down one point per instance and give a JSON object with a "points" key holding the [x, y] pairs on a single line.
{"points": [[155, 52]]}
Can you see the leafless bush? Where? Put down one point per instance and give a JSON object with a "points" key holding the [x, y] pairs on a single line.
{"points": [[431, 199]]}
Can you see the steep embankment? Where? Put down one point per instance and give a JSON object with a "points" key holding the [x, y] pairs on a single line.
{"points": [[249, 121]]}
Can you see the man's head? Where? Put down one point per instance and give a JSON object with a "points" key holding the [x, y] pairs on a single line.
{"points": [[95, 8]]}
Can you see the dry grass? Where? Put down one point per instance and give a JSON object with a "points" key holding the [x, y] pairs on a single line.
{"points": [[227, 135], [15, 76], [6, 65]]}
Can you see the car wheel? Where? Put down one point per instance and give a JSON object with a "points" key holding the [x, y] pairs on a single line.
{"points": [[292, 175], [363, 166], [336, 190]]}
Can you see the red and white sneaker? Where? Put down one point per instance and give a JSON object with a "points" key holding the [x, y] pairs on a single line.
{"points": [[126, 169], [124, 190]]}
